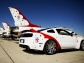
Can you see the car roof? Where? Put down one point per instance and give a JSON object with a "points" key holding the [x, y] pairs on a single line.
{"points": [[44, 29]]}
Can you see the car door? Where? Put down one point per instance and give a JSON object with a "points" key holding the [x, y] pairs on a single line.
{"points": [[67, 41]]}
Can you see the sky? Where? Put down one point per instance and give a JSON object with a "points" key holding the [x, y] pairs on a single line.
{"points": [[47, 13]]}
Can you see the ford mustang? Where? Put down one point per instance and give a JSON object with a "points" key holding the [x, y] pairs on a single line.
{"points": [[51, 40]]}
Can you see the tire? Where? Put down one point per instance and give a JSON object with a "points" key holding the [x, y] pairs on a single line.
{"points": [[82, 45], [50, 47]]}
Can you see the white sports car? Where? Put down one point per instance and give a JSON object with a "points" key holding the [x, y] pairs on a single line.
{"points": [[51, 40]]}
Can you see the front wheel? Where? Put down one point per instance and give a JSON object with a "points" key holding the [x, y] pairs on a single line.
{"points": [[50, 47], [82, 45]]}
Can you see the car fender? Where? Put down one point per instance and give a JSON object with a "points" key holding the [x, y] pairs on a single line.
{"points": [[79, 42]]}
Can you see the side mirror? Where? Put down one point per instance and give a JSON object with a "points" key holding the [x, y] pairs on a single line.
{"points": [[72, 33]]}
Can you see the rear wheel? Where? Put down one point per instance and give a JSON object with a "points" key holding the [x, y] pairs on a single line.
{"points": [[82, 45], [50, 47]]}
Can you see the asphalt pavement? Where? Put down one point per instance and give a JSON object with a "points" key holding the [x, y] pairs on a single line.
{"points": [[10, 52]]}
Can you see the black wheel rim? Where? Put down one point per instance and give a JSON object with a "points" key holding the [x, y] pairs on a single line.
{"points": [[51, 47], [83, 45]]}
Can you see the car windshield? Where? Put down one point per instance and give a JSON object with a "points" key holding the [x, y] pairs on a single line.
{"points": [[42, 29]]}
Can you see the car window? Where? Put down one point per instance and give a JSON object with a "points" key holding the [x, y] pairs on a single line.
{"points": [[27, 35], [50, 31], [42, 29], [62, 32]]}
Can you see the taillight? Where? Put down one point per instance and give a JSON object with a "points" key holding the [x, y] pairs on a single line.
{"points": [[21, 40]]}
